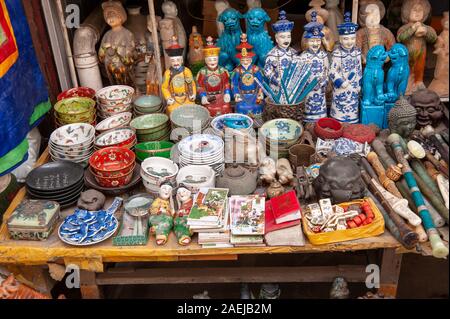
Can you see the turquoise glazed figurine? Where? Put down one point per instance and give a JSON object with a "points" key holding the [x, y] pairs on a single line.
{"points": [[346, 74], [315, 102], [280, 58], [230, 38], [258, 36], [247, 94], [372, 106]]}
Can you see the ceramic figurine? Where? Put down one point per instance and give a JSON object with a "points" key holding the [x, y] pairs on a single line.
{"points": [[398, 74], [284, 171], [161, 215], [339, 179], [195, 54], [335, 16], [256, 20], [178, 87], [281, 56], [315, 102], [371, 32], [167, 31], [346, 74], [415, 35], [220, 6], [180, 227], [402, 118], [267, 170], [429, 108], [230, 38], [275, 189], [247, 94], [328, 39], [117, 48], [213, 82], [170, 11], [440, 81], [91, 200]]}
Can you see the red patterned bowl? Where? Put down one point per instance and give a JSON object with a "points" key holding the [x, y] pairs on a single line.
{"points": [[112, 161], [79, 91], [115, 181], [328, 128]]}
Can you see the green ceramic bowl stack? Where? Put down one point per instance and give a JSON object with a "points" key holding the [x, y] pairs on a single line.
{"points": [[153, 149], [75, 110], [151, 127], [147, 104], [190, 117], [280, 135]]}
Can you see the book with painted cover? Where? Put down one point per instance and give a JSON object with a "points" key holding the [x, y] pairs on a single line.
{"points": [[221, 227], [209, 206], [247, 215], [286, 207], [271, 224]]}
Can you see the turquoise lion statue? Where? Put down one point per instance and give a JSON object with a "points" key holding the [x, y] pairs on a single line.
{"points": [[373, 77], [230, 38], [398, 74], [258, 36]]}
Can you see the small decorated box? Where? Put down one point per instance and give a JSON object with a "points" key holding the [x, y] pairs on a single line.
{"points": [[33, 220]]}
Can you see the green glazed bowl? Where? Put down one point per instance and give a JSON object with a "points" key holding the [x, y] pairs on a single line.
{"points": [[150, 149], [184, 116], [151, 139], [148, 103], [284, 132], [153, 136], [150, 123], [74, 108]]}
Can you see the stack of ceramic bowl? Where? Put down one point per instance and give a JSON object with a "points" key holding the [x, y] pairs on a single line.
{"points": [[280, 135], [116, 121], [152, 127], [190, 117], [118, 137], [195, 177], [156, 171], [147, 104], [75, 110], [235, 121], [72, 142], [114, 99], [60, 181], [153, 149], [202, 149], [77, 92], [112, 166]]}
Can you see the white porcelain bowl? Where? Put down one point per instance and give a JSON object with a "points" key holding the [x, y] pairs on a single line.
{"points": [[194, 177], [78, 134], [115, 121], [158, 170]]}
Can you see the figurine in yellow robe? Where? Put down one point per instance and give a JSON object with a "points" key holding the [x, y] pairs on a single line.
{"points": [[178, 87]]}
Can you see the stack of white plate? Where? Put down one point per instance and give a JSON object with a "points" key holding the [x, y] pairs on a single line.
{"points": [[72, 142], [202, 149]]}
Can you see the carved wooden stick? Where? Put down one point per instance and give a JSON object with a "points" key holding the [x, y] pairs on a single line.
{"points": [[437, 164], [423, 237], [369, 169], [440, 180], [421, 171], [393, 170], [387, 183]]}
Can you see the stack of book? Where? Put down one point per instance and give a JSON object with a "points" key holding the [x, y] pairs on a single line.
{"points": [[209, 217], [247, 220]]}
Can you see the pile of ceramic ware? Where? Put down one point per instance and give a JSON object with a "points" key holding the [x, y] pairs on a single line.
{"points": [[118, 137], [72, 142], [115, 121], [75, 110], [151, 127], [156, 171], [112, 166], [114, 99], [280, 135], [202, 149], [195, 177], [147, 104], [60, 181], [77, 92], [189, 119], [232, 121], [153, 149]]}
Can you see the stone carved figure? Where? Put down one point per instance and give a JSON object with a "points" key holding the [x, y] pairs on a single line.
{"points": [[161, 215], [170, 11], [339, 179], [315, 101], [91, 200], [213, 82], [220, 6], [428, 106], [373, 78], [280, 58], [440, 82], [180, 226], [328, 39], [256, 19], [398, 73], [167, 31], [335, 16], [267, 170], [371, 32], [402, 118], [230, 38], [117, 49], [415, 35], [346, 74], [195, 54]]}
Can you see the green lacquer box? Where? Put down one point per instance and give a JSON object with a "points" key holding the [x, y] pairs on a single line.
{"points": [[33, 220]]}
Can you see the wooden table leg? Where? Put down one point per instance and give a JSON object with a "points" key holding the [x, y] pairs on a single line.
{"points": [[88, 285], [390, 272]]}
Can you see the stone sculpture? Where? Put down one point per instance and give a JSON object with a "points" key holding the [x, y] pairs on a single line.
{"points": [[402, 118], [440, 82], [428, 106]]}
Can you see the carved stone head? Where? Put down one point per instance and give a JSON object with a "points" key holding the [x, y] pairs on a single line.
{"points": [[371, 12], [415, 11], [428, 106], [402, 118]]}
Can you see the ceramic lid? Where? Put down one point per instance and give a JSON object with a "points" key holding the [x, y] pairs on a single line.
{"points": [[34, 214]]}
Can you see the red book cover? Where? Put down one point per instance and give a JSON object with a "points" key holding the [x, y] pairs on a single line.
{"points": [[286, 207], [271, 224]]}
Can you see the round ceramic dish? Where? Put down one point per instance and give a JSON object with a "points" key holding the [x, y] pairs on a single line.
{"points": [[77, 92], [114, 181], [116, 121], [87, 117], [112, 161], [54, 176], [200, 145], [69, 157], [90, 182], [147, 104], [115, 95], [190, 117], [155, 135], [150, 149], [79, 135], [195, 177], [120, 108], [138, 205], [150, 123], [115, 137], [244, 122], [61, 197], [74, 108], [158, 170], [282, 131]]}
